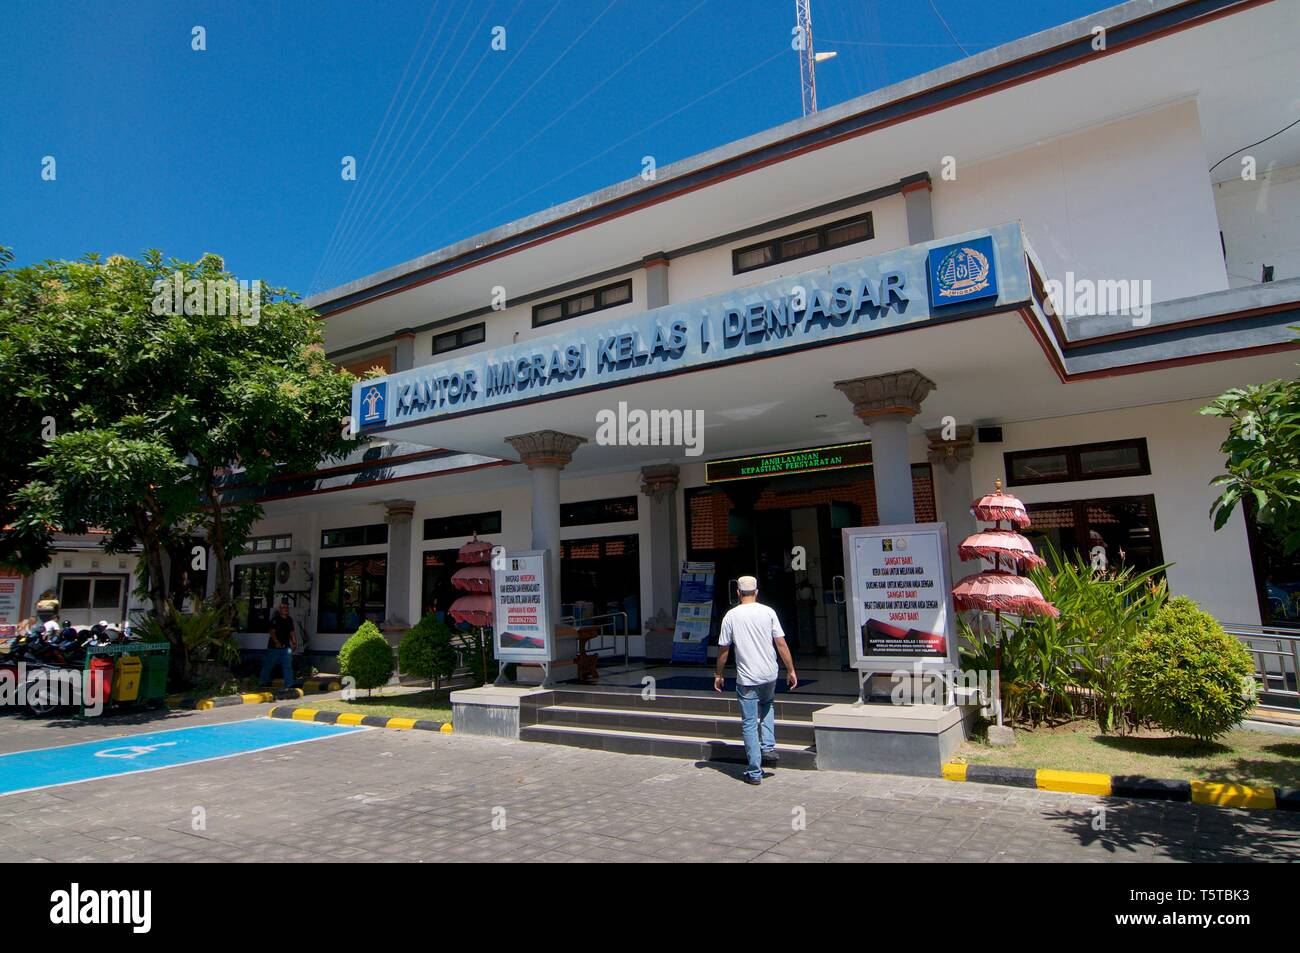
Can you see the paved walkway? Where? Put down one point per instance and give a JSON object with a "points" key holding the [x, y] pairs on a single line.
{"points": [[421, 796]]}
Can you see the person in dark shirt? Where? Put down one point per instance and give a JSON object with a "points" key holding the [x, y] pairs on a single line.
{"points": [[282, 640]]}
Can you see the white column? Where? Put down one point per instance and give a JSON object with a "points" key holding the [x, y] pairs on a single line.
{"points": [[397, 514], [546, 453], [886, 403]]}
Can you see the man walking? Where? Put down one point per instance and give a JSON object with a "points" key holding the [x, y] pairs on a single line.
{"points": [[281, 641], [755, 631]]}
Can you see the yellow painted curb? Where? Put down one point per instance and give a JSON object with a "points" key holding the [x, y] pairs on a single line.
{"points": [[205, 705], [401, 724], [1073, 782], [304, 714], [1232, 795], [446, 728], [951, 772], [350, 718], [257, 698]]}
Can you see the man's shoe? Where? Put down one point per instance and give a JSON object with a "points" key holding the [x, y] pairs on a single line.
{"points": [[771, 758], [754, 781]]}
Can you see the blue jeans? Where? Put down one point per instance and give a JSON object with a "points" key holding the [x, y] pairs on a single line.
{"points": [[757, 724], [269, 659]]}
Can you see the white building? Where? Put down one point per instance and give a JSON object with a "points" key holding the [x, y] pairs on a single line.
{"points": [[1081, 156]]}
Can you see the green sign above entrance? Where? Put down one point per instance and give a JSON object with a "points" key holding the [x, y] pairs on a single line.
{"points": [[788, 462]]}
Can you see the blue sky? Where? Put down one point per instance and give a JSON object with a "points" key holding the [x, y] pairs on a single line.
{"points": [[237, 149]]}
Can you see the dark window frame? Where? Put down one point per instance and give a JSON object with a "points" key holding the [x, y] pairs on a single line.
{"points": [[1083, 525], [822, 232], [236, 597], [474, 525], [1073, 454], [335, 611], [573, 514], [457, 335], [367, 530], [566, 303]]}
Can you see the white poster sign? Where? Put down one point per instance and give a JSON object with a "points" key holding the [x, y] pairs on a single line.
{"points": [[900, 607], [521, 616]]}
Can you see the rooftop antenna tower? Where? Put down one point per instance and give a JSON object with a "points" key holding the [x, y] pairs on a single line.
{"points": [[808, 58]]}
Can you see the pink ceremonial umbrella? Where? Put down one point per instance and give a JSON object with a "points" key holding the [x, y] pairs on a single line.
{"points": [[473, 578], [474, 609], [998, 506], [999, 544], [474, 552], [1000, 591]]}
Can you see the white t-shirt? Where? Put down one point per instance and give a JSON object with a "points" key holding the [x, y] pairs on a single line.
{"points": [[751, 628]]}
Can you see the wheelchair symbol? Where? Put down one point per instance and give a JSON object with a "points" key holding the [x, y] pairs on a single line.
{"points": [[131, 751]]}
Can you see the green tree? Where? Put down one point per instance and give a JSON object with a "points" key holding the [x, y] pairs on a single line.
{"points": [[1263, 451], [367, 658], [426, 650], [135, 415]]}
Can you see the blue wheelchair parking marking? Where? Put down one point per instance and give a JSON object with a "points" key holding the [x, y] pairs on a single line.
{"points": [[132, 754]]}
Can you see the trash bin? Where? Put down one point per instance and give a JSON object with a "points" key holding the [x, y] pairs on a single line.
{"points": [[126, 680], [153, 686]]}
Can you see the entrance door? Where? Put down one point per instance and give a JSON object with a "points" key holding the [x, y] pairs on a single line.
{"points": [[84, 600]]}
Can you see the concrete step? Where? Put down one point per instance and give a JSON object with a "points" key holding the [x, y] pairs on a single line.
{"points": [[724, 705], [697, 724], [663, 745]]}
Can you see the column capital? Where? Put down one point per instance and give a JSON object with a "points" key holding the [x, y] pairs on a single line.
{"points": [[655, 260], [951, 452], [898, 392], [398, 511], [545, 448], [659, 480]]}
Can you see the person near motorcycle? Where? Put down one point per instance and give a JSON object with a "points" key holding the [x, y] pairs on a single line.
{"points": [[282, 640]]}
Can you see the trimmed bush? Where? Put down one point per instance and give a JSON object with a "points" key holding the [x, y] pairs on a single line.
{"points": [[1189, 676], [426, 650], [367, 657]]}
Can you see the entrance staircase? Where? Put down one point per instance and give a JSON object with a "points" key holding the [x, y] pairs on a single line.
{"points": [[698, 727]]}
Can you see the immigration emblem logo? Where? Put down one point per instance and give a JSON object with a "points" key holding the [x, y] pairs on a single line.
{"points": [[962, 272]]}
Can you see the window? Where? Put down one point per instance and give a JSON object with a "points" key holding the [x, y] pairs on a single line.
{"points": [[584, 302], [1111, 533], [847, 231], [352, 591], [1089, 461], [269, 544], [436, 591], [376, 534], [615, 510], [601, 576], [461, 337], [467, 525], [253, 593]]}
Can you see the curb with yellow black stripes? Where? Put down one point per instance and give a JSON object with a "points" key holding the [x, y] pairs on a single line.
{"points": [[297, 713], [277, 694], [1105, 785]]}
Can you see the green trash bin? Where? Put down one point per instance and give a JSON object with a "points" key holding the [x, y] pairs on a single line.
{"points": [[153, 681]]}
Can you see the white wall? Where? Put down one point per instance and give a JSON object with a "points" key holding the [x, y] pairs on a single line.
{"points": [[82, 562], [1213, 568], [1261, 224], [1127, 200]]}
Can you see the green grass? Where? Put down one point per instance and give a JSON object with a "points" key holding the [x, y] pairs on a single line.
{"points": [[427, 705], [1239, 757]]}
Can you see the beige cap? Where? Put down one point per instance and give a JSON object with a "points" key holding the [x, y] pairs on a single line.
{"points": [[747, 584]]}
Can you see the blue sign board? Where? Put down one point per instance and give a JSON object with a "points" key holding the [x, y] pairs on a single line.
{"points": [[963, 271], [901, 288], [374, 398]]}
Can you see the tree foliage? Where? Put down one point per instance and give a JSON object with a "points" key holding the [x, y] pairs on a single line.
{"points": [[1263, 451], [133, 415]]}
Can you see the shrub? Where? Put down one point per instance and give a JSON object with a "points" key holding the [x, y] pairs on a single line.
{"points": [[1189, 676], [426, 650], [1056, 668], [480, 658], [367, 657]]}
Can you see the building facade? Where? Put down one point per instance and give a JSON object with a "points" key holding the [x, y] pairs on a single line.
{"points": [[1029, 266]]}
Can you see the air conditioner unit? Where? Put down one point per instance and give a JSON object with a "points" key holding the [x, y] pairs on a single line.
{"points": [[293, 573]]}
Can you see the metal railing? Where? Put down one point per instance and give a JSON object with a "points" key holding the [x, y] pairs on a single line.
{"points": [[612, 626], [1276, 653]]}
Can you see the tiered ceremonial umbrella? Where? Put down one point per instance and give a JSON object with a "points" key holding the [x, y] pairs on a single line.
{"points": [[475, 579], [1001, 588]]}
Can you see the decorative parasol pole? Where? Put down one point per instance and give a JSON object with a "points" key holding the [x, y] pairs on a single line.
{"points": [[999, 590]]}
